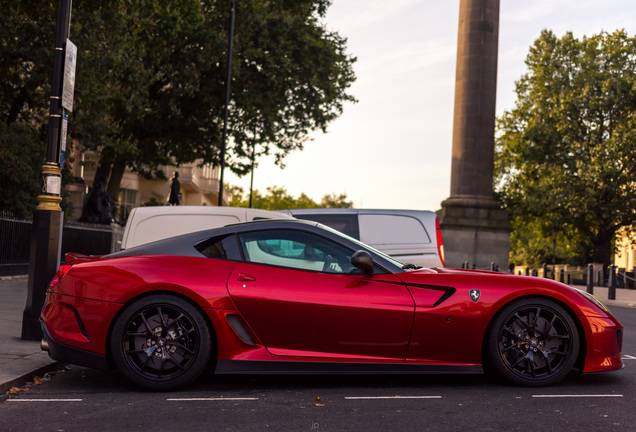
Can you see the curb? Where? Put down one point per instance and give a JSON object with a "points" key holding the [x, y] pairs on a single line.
{"points": [[23, 379]]}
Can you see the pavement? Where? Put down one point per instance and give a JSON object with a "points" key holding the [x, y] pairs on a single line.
{"points": [[21, 361]]}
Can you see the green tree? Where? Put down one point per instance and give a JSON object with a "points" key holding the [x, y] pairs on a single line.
{"points": [[26, 60], [21, 159], [161, 92], [277, 198], [150, 80], [566, 153]]}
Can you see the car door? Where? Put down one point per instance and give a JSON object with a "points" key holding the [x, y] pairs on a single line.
{"points": [[302, 297]]}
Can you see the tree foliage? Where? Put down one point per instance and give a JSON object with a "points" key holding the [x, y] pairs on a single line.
{"points": [[277, 198], [150, 79], [26, 46], [566, 153], [21, 159]]}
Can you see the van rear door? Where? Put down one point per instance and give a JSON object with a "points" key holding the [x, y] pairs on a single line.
{"points": [[403, 237]]}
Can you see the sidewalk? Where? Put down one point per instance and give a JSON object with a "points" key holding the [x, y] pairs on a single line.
{"points": [[21, 360]]}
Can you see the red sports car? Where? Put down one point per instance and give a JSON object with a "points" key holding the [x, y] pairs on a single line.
{"points": [[284, 296]]}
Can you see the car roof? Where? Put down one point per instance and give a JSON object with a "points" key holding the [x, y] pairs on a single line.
{"points": [[415, 213], [183, 245], [202, 210]]}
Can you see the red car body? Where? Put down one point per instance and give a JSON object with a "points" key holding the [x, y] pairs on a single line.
{"points": [[273, 319]]}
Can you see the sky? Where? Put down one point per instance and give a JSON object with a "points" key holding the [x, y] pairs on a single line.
{"points": [[392, 149]]}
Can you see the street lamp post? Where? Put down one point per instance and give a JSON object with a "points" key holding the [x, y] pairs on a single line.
{"points": [[227, 101], [46, 237]]}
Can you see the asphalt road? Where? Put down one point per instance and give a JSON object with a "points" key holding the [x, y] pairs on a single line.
{"points": [[80, 399]]}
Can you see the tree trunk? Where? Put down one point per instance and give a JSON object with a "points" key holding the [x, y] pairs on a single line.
{"points": [[116, 175], [604, 245], [105, 166]]}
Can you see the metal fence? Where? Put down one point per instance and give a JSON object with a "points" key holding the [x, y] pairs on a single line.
{"points": [[589, 275], [15, 242]]}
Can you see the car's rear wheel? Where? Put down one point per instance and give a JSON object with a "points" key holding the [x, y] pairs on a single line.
{"points": [[161, 342], [533, 342]]}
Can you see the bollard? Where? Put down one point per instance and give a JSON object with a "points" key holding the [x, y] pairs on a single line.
{"points": [[527, 271], [493, 266], [545, 271], [535, 272], [562, 276], [611, 291], [590, 278]]}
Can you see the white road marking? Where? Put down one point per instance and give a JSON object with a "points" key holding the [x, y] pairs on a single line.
{"points": [[44, 400], [578, 396], [391, 397], [628, 357], [210, 399]]}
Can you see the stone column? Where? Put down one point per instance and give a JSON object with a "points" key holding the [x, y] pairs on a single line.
{"points": [[475, 229]]}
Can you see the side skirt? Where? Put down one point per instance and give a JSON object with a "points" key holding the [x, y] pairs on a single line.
{"points": [[295, 367]]}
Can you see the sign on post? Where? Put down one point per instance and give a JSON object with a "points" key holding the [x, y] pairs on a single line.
{"points": [[69, 75], [63, 139]]}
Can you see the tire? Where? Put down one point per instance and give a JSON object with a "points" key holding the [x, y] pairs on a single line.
{"points": [[533, 342], [161, 342]]}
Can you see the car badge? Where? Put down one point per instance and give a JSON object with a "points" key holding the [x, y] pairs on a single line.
{"points": [[475, 294]]}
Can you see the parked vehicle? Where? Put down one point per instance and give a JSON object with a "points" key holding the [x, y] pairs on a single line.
{"points": [[148, 224], [291, 296], [411, 236]]}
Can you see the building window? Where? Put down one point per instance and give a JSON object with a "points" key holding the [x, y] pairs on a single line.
{"points": [[126, 202]]}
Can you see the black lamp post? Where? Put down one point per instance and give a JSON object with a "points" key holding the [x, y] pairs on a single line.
{"points": [[554, 242], [227, 101], [252, 173], [46, 237]]}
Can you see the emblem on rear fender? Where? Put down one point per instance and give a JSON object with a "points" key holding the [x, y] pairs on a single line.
{"points": [[474, 294]]}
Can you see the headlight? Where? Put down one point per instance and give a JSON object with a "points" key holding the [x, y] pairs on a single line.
{"points": [[593, 299]]}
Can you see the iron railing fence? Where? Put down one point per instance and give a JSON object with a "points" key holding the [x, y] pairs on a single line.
{"points": [[15, 242]]}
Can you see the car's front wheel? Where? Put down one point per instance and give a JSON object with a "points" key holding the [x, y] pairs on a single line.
{"points": [[161, 342], [533, 342]]}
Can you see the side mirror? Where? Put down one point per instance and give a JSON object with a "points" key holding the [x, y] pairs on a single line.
{"points": [[363, 261]]}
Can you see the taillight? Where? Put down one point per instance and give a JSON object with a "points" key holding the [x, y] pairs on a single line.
{"points": [[61, 272], [440, 242]]}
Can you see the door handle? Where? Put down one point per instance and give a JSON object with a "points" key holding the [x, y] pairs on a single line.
{"points": [[244, 277]]}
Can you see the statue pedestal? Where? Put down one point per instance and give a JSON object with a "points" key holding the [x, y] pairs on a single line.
{"points": [[475, 230]]}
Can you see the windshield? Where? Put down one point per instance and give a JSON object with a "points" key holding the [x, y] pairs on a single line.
{"points": [[392, 260]]}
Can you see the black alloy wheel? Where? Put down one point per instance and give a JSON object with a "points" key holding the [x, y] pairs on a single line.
{"points": [[533, 342], [161, 342]]}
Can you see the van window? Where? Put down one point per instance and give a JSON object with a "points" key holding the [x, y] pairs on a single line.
{"points": [[392, 229], [347, 224]]}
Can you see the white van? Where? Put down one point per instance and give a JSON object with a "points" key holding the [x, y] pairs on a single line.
{"points": [[148, 224], [410, 236]]}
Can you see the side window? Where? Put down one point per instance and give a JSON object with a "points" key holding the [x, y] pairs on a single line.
{"points": [[345, 223], [392, 229], [225, 248], [296, 249]]}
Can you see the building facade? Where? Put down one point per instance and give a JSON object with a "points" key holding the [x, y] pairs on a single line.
{"points": [[199, 186]]}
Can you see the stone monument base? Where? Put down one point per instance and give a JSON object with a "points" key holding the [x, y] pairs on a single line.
{"points": [[475, 231]]}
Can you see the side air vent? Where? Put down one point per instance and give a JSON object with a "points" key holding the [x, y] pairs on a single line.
{"points": [[239, 329]]}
